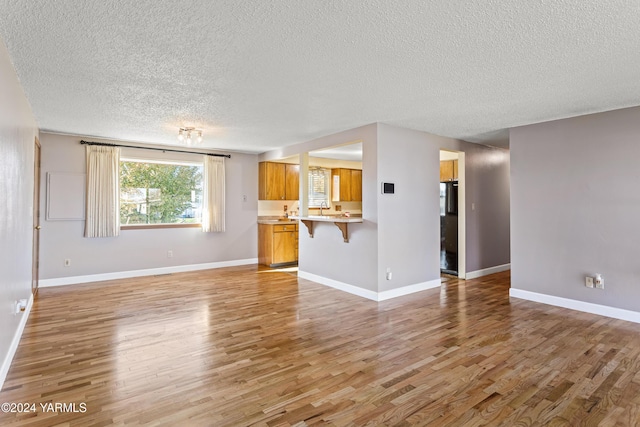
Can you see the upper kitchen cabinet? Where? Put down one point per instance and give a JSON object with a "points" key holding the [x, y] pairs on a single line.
{"points": [[347, 185], [356, 185], [292, 182], [278, 181], [448, 170]]}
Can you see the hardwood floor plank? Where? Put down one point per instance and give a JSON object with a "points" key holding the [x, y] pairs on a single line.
{"points": [[251, 346]]}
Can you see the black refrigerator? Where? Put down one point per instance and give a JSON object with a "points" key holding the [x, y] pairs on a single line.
{"points": [[449, 227]]}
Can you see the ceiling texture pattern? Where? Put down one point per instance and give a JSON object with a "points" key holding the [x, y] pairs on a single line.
{"points": [[258, 75]]}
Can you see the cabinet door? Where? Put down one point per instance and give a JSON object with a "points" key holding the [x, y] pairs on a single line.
{"points": [[284, 247], [446, 171], [265, 243], [345, 185], [455, 170], [262, 181], [356, 185], [274, 181], [292, 182]]}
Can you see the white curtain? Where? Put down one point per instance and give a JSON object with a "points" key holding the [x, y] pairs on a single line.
{"points": [[213, 194], [103, 192]]}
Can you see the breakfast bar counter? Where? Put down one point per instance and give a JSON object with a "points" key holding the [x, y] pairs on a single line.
{"points": [[341, 221]]}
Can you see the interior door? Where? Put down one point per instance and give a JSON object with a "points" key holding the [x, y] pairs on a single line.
{"points": [[36, 218]]}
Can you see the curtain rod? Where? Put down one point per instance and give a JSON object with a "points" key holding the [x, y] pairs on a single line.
{"points": [[83, 142]]}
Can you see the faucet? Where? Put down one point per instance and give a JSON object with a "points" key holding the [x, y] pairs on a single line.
{"points": [[325, 205]]}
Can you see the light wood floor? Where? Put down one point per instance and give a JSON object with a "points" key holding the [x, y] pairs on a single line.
{"points": [[239, 346]]}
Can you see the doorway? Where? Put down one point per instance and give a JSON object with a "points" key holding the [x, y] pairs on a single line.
{"points": [[36, 218], [452, 235]]}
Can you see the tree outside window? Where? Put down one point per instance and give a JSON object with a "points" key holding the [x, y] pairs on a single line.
{"points": [[160, 193]]}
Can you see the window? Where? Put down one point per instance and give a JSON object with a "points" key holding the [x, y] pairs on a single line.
{"points": [[153, 192], [319, 180]]}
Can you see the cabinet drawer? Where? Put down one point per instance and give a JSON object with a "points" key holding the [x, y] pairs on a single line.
{"points": [[288, 227]]}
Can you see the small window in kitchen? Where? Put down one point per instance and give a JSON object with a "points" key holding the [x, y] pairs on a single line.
{"points": [[319, 187]]}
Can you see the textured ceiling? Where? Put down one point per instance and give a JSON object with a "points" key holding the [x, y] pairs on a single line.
{"points": [[258, 75]]}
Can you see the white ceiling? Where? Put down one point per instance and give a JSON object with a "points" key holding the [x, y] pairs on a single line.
{"points": [[351, 152], [258, 75]]}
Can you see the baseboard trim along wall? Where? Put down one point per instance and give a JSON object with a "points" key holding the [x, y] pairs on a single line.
{"points": [[410, 289], [73, 280], [365, 293], [486, 271], [587, 307], [6, 364]]}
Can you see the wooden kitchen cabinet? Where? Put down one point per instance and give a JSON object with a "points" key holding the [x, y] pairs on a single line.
{"points": [[292, 182], [356, 185], [346, 185], [277, 244], [278, 181], [448, 170], [271, 179]]}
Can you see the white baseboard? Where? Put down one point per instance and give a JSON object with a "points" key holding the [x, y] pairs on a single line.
{"points": [[410, 289], [72, 280], [6, 364], [486, 271], [366, 293], [587, 307]]}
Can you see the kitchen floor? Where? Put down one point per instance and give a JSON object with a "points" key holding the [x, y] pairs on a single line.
{"points": [[448, 263]]}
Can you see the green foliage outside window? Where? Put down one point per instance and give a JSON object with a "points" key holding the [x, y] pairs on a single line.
{"points": [[157, 193]]}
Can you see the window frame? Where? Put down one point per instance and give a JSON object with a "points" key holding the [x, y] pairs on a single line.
{"points": [[138, 159], [328, 183]]}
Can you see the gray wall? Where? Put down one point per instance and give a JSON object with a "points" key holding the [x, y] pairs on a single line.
{"points": [[327, 255], [18, 130], [402, 231], [575, 207], [488, 189], [409, 220], [143, 249]]}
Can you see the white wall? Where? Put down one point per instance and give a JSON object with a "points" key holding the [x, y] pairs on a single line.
{"points": [[146, 249], [576, 206], [18, 130]]}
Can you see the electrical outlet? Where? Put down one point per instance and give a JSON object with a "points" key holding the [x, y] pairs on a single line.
{"points": [[389, 274], [599, 281], [67, 262], [169, 254], [588, 282], [20, 306]]}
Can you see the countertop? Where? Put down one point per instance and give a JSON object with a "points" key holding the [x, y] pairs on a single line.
{"points": [[328, 218], [276, 220]]}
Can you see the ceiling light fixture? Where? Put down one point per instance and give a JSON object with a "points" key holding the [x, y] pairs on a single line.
{"points": [[184, 135]]}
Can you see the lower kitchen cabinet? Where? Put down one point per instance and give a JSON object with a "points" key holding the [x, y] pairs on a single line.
{"points": [[277, 244]]}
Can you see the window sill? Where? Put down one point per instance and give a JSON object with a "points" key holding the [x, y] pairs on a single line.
{"points": [[155, 226]]}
